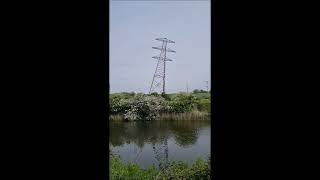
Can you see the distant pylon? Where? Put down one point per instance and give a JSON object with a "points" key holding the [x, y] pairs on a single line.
{"points": [[207, 85], [187, 88], [159, 77]]}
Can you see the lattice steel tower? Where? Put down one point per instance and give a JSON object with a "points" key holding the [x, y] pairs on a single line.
{"points": [[161, 152], [159, 77]]}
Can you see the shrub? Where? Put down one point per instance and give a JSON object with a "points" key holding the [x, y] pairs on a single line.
{"points": [[203, 105], [118, 104], [182, 103], [145, 108], [154, 94], [166, 96], [196, 91]]}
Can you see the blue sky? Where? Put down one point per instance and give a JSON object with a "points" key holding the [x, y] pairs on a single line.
{"points": [[134, 25]]}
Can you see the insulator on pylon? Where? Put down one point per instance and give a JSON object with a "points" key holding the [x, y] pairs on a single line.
{"points": [[161, 58], [167, 49]]}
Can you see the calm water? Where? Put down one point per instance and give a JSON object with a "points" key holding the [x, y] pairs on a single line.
{"points": [[148, 143]]}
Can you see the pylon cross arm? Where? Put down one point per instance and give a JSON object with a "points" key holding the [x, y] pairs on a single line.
{"points": [[167, 49], [165, 40], [161, 58]]}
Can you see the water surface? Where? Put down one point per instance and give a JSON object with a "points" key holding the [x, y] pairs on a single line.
{"points": [[158, 142]]}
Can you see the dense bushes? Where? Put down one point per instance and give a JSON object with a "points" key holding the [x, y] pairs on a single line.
{"points": [[175, 170], [145, 108], [149, 107], [203, 105], [182, 102], [119, 103]]}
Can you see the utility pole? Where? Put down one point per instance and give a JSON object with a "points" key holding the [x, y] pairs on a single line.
{"points": [[159, 77], [187, 88], [207, 85]]}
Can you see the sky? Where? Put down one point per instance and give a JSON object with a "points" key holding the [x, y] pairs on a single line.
{"points": [[134, 26]]}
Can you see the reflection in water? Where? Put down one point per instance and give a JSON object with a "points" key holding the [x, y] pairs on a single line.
{"points": [[155, 141]]}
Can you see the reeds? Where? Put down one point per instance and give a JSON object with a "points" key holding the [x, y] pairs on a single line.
{"points": [[116, 117], [193, 115]]}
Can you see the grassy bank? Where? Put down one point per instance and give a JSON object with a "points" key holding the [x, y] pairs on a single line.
{"points": [[194, 115], [175, 170]]}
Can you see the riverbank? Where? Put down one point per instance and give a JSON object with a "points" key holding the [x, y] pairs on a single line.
{"points": [[193, 115], [175, 170], [141, 107]]}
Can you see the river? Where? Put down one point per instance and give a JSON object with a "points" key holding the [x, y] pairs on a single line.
{"points": [[158, 142]]}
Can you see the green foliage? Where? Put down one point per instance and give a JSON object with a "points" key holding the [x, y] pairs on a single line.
{"points": [[199, 91], [154, 94], [202, 95], [166, 96], [148, 107], [196, 91], [175, 170], [145, 107], [119, 103], [203, 105], [182, 102], [121, 171], [181, 171]]}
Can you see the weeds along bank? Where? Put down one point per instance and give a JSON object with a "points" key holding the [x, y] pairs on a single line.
{"points": [[135, 107], [174, 170]]}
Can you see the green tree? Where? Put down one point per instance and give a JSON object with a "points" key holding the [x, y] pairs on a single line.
{"points": [[196, 91], [154, 94]]}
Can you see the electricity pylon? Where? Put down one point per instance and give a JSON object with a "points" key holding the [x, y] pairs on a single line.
{"points": [[161, 152], [159, 77], [207, 85]]}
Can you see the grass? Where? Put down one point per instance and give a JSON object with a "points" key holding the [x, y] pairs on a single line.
{"points": [[202, 95], [175, 170], [119, 171]]}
